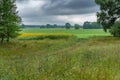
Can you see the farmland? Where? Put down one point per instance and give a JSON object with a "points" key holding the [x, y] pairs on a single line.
{"points": [[81, 33], [95, 58]]}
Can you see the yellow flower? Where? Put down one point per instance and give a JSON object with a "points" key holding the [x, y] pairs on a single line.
{"points": [[39, 34]]}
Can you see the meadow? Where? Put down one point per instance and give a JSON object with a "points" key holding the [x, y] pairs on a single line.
{"points": [[93, 58]]}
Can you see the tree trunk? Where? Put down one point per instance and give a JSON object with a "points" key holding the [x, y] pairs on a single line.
{"points": [[2, 39], [8, 39]]}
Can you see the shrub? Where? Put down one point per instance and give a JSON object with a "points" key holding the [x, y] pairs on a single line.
{"points": [[115, 29]]}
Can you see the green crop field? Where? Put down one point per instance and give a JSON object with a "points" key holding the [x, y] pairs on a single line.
{"points": [[96, 58], [81, 33]]}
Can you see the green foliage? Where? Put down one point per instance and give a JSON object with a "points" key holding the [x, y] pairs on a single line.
{"points": [[110, 12], [9, 20], [67, 25], [76, 26], [115, 29]]}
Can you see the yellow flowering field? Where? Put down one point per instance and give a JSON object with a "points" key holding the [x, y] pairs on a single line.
{"points": [[41, 35]]}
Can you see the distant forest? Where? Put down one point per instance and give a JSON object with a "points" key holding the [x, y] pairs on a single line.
{"points": [[86, 25]]}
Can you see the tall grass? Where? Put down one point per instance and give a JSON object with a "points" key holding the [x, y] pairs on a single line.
{"points": [[93, 59]]}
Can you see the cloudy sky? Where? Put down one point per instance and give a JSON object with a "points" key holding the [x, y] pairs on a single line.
{"points": [[57, 11]]}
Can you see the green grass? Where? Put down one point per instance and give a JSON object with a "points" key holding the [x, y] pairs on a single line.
{"points": [[90, 59], [95, 58], [81, 33]]}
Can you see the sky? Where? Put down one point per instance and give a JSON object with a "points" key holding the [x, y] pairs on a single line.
{"points": [[40, 12]]}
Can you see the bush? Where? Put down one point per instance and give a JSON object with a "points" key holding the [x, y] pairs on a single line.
{"points": [[115, 29]]}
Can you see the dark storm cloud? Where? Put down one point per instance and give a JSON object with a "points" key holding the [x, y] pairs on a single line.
{"points": [[69, 7], [55, 11], [66, 7]]}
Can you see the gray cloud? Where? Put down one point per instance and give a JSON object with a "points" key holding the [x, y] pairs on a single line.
{"points": [[69, 7], [22, 1], [54, 11], [43, 20]]}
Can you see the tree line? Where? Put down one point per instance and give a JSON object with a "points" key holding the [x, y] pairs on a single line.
{"points": [[86, 25]]}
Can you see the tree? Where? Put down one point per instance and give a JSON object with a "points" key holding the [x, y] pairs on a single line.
{"points": [[115, 29], [9, 20], [76, 26], [67, 25], [92, 25], [96, 25], [109, 14], [48, 25], [86, 25]]}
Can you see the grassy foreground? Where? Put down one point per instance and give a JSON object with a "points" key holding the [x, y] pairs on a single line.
{"points": [[93, 59]]}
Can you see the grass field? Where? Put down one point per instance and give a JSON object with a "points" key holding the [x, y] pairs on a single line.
{"points": [[81, 33], [96, 58]]}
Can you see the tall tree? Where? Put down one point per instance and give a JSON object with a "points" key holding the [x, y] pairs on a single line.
{"points": [[109, 14], [9, 20]]}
